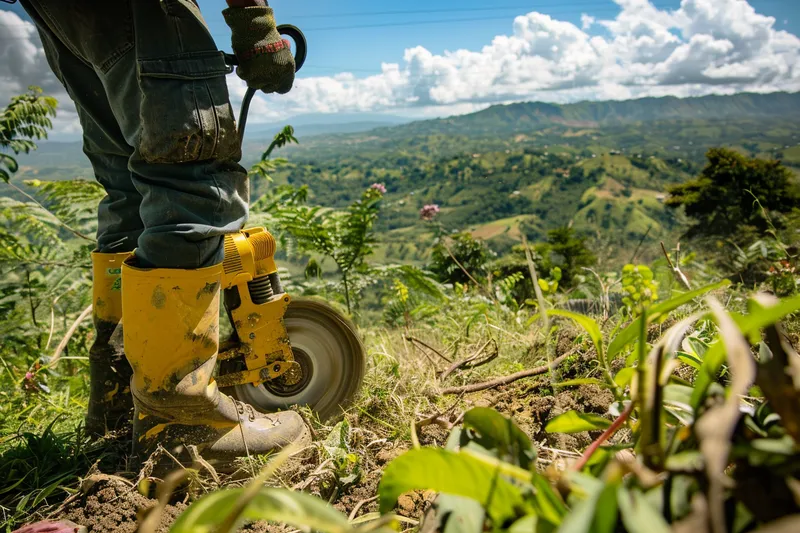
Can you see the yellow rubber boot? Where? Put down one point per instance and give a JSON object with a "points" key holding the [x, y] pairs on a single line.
{"points": [[110, 402], [171, 341]]}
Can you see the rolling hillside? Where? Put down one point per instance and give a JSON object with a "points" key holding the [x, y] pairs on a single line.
{"points": [[520, 168]]}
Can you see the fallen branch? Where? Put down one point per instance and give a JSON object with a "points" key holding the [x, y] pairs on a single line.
{"points": [[505, 380], [470, 362], [431, 348]]}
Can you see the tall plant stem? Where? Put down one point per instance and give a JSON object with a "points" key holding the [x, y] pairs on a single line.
{"points": [[587, 454], [542, 310]]}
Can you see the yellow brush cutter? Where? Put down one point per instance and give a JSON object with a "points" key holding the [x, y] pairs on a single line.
{"points": [[284, 351]]}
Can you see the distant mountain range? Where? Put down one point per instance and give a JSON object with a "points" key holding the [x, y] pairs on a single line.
{"points": [[525, 117], [336, 131]]}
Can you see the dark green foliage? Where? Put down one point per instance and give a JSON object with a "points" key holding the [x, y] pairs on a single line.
{"points": [[455, 254], [24, 120], [345, 236], [569, 251], [720, 201]]}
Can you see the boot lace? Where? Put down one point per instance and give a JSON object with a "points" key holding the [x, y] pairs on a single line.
{"points": [[245, 408]]}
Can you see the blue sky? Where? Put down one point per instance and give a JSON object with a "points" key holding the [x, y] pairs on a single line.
{"points": [[442, 57], [361, 50]]}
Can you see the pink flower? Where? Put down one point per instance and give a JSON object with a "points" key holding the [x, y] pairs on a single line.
{"points": [[380, 187], [29, 376], [429, 212]]}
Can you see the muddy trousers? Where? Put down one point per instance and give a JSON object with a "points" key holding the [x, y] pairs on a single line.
{"points": [[149, 88]]}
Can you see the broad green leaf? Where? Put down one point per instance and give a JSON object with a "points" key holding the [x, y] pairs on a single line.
{"points": [[591, 327], [575, 422], [690, 359], [500, 432], [297, 509], [449, 473], [656, 311], [549, 505], [678, 393], [457, 514], [581, 381], [748, 325], [624, 376], [782, 446], [638, 515], [595, 514], [527, 524], [628, 334]]}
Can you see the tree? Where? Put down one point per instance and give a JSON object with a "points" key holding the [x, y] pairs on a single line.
{"points": [[454, 254], [568, 251], [721, 200], [346, 236], [24, 120]]}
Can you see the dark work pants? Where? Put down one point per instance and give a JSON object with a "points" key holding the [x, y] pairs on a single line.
{"points": [[149, 86]]}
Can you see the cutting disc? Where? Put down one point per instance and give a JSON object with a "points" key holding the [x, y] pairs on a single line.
{"points": [[331, 358]]}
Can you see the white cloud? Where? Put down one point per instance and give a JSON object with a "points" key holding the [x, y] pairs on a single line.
{"points": [[22, 63], [703, 47]]}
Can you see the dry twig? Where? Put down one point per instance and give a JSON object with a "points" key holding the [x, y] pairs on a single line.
{"points": [[472, 361], [676, 270], [505, 380], [415, 340], [358, 507], [63, 344]]}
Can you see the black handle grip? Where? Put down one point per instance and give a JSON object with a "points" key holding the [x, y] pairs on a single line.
{"points": [[301, 50]]}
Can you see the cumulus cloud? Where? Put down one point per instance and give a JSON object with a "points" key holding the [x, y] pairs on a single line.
{"points": [[22, 63], [702, 47]]}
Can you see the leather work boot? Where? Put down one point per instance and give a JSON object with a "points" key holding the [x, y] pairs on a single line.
{"points": [[110, 402], [171, 341]]}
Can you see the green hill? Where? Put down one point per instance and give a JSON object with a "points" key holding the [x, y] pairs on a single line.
{"points": [[522, 117]]}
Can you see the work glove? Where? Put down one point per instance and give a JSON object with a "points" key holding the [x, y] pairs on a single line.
{"points": [[265, 58]]}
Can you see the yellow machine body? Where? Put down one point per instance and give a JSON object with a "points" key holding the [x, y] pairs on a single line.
{"points": [[256, 306]]}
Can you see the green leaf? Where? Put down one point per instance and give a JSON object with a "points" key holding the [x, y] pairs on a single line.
{"points": [[500, 432], [638, 515], [595, 514], [627, 335], [748, 325], [591, 327], [449, 473], [548, 503], [296, 509], [690, 359], [457, 514], [624, 376], [575, 422], [525, 524]]}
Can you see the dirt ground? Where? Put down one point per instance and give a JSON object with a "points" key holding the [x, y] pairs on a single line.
{"points": [[109, 503]]}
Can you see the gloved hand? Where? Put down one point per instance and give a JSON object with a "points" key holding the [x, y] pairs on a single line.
{"points": [[265, 58]]}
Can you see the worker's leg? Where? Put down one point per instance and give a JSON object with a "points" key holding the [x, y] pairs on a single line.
{"points": [[187, 149], [119, 227], [170, 99]]}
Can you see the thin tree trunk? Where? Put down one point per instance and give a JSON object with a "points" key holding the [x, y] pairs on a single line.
{"points": [[346, 291]]}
